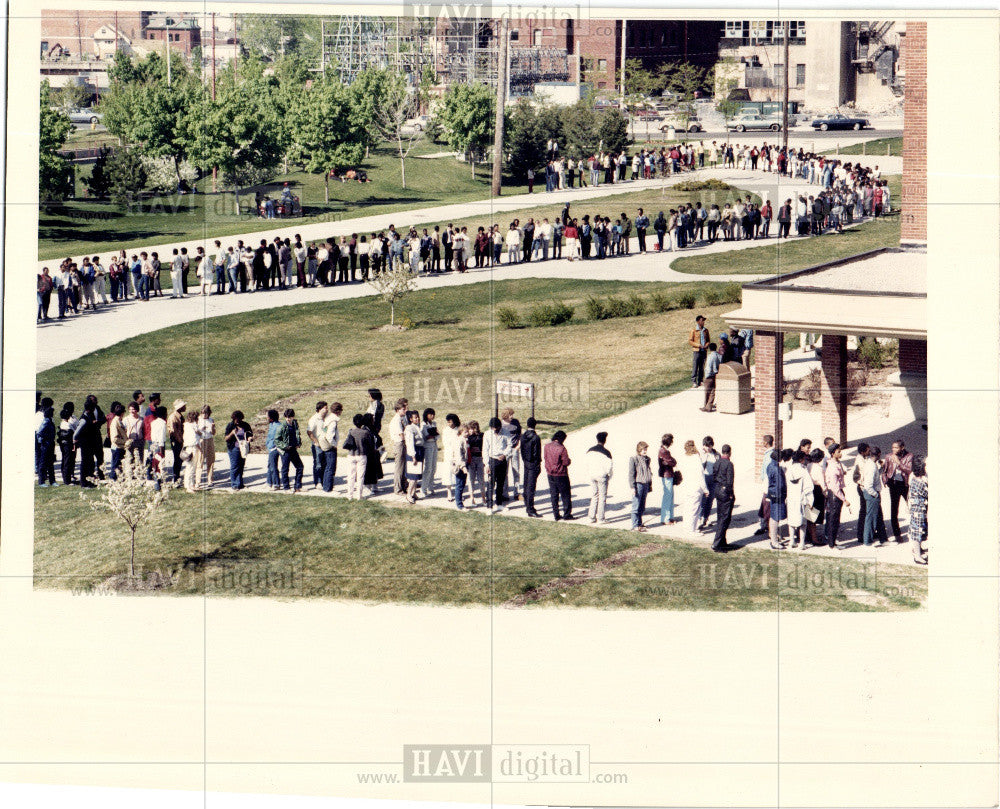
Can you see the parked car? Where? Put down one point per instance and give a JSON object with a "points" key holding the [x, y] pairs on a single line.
{"points": [[84, 116], [838, 121], [414, 126], [752, 121], [693, 124]]}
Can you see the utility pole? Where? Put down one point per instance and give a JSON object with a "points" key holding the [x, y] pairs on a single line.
{"points": [[784, 111], [579, 68], [236, 53], [502, 79], [166, 45], [215, 169], [624, 23], [322, 47]]}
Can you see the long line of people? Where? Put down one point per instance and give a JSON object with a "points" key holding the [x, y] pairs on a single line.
{"points": [[803, 489]]}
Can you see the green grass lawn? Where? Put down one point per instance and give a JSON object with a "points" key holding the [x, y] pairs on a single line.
{"points": [[890, 147], [79, 227], [293, 547], [251, 361]]}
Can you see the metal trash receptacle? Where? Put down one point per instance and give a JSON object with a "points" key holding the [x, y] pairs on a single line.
{"points": [[732, 389]]}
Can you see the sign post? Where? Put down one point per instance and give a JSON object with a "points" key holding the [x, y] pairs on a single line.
{"points": [[510, 388]]}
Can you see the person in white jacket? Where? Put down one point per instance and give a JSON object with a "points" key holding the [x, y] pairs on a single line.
{"points": [[599, 470], [450, 449], [798, 498], [693, 476]]}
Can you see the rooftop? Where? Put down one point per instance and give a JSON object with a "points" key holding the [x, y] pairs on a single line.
{"points": [[880, 272]]}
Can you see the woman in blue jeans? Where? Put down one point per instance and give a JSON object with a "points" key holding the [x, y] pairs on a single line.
{"points": [[666, 463], [237, 430]]}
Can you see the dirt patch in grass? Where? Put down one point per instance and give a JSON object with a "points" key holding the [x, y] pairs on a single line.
{"points": [[582, 575]]}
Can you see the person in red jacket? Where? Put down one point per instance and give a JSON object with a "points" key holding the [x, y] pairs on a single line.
{"points": [[896, 470], [557, 462]]}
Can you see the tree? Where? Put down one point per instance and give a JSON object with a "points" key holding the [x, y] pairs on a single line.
{"points": [[323, 130], [53, 168], [130, 499], [467, 116], [612, 130], [71, 96], [369, 87], [99, 181], [726, 80], [390, 110], [580, 127], [687, 81], [126, 175], [393, 285], [525, 146], [428, 78], [275, 35]]}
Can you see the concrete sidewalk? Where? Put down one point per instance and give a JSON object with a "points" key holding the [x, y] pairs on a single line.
{"points": [[679, 415]]}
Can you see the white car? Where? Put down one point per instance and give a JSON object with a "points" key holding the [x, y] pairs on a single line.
{"points": [[84, 116]]}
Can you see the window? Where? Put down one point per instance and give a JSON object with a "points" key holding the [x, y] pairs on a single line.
{"points": [[779, 74], [515, 36], [800, 75], [602, 65], [536, 37], [737, 29], [797, 29]]}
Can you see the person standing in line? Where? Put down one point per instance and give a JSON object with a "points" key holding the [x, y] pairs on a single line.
{"points": [[777, 492], [599, 470], [237, 435], [397, 429], [359, 445], [724, 477], [798, 498], [477, 471], [640, 480], [641, 225], [373, 462], [496, 451], [692, 470], [836, 498], [875, 456], [204, 453], [666, 464], [157, 445], [287, 442], [313, 430], [896, 477], [67, 449], [329, 439], [557, 463], [815, 465], [530, 447], [376, 409], [99, 279], [273, 453], [698, 340], [512, 429], [449, 437], [917, 500], [429, 432], [175, 428], [457, 454], [414, 447], [709, 458], [45, 436]]}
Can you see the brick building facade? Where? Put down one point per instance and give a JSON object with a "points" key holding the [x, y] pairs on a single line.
{"points": [[913, 229], [74, 30]]}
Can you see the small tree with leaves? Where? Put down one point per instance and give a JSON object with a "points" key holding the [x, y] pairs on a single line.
{"points": [[131, 499], [390, 114], [467, 116], [726, 80], [99, 181], [126, 173], [686, 80], [53, 168], [393, 285]]}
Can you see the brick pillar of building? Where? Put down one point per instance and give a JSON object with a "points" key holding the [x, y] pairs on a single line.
{"points": [[769, 384], [913, 357], [914, 202], [833, 388]]}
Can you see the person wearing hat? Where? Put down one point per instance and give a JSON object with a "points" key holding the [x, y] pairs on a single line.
{"points": [[175, 430]]}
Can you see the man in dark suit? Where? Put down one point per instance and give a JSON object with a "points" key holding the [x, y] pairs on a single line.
{"points": [[530, 447], [724, 476]]}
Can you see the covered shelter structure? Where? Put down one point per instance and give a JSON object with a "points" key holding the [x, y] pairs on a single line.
{"points": [[879, 294]]}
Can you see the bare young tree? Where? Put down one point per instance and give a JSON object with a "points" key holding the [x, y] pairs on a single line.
{"points": [[130, 498], [392, 285], [396, 106]]}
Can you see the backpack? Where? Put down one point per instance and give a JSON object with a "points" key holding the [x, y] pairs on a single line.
{"points": [[856, 477]]}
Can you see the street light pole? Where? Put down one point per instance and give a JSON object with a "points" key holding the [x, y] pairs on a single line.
{"points": [[503, 72], [784, 111]]}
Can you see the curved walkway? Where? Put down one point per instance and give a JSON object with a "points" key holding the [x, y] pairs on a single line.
{"points": [[62, 341]]}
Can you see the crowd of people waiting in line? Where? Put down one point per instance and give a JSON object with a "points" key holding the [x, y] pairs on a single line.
{"points": [[803, 489], [849, 192]]}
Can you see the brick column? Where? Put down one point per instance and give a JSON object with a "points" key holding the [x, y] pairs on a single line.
{"points": [[913, 356], [768, 349], [833, 388], [913, 228]]}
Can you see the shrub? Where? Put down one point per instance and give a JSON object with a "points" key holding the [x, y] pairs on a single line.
{"points": [[596, 309], [873, 355], [732, 293], [615, 307], [712, 297], [660, 302], [162, 175], [550, 314], [686, 301], [509, 318], [635, 305], [703, 185]]}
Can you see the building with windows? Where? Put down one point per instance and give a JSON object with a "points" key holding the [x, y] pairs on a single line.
{"points": [[831, 62], [180, 32]]}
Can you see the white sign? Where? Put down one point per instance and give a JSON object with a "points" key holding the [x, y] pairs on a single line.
{"points": [[508, 388]]}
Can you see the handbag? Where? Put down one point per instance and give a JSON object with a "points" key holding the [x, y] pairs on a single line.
{"points": [[678, 477], [244, 447], [811, 513], [418, 454]]}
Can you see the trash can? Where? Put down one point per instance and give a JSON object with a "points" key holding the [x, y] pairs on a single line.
{"points": [[732, 389]]}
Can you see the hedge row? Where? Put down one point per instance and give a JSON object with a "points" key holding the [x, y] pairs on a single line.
{"points": [[634, 305]]}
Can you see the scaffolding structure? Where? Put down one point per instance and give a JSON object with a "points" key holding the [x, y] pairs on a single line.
{"points": [[352, 43], [467, 50], [531, 65]]}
